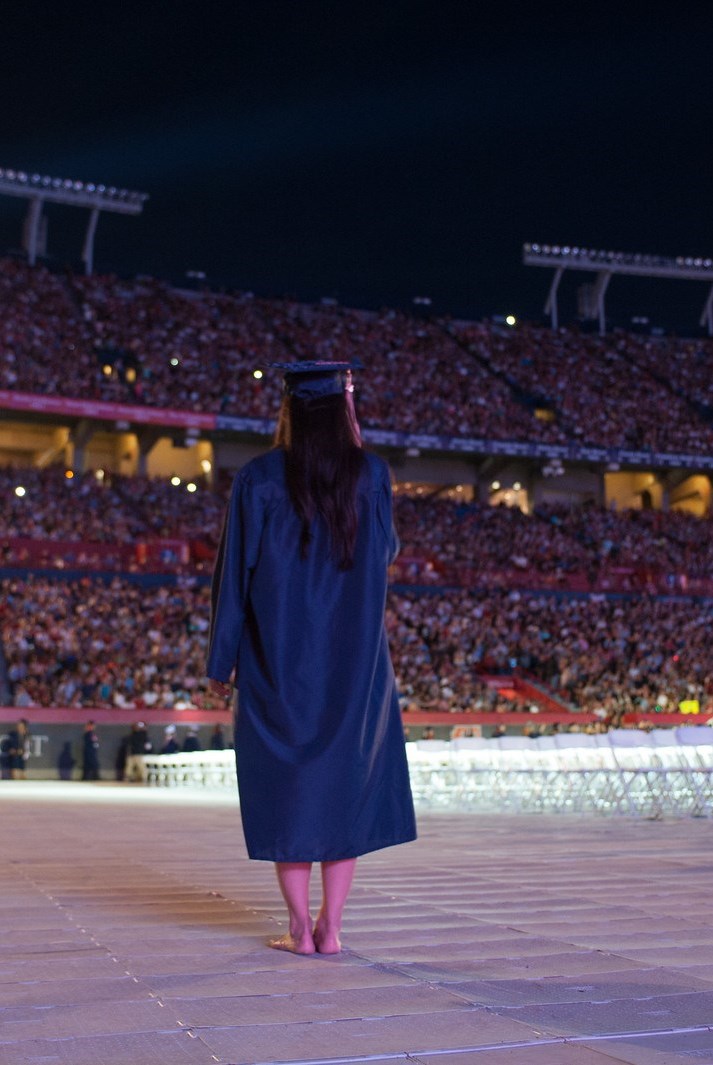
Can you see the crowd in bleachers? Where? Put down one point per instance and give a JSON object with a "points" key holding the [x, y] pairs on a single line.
{"points": [[442, 541], [601, 654], [485, 543], [91, 643], [107, 508], [141, 341], [597, 388]]}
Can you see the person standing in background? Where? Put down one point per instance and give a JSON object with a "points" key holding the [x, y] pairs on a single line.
{"points": [[217, 738], [90, 753], [66, 761], [139, 744], [19, 749], [170, 745]]}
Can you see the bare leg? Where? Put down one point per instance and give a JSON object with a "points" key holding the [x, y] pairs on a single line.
{"points": [[293, 878], [336, 881]]}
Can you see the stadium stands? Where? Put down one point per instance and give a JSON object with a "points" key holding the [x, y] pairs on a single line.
{"points": [[500, 585], [141, 341], [117, 643]]}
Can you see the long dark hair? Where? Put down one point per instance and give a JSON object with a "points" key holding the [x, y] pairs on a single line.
{"points": [[323, 460]]}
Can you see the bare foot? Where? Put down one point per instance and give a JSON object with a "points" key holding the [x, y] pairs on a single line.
{"points": [[294, 944], [326, 942]]}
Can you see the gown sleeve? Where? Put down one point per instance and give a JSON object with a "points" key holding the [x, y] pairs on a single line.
{"points": [[236, 558], [385, 510]]}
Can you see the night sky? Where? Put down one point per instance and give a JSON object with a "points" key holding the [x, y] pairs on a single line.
{"points": [[372, 152]]}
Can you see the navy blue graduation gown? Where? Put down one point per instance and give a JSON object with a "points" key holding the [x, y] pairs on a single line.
{"points": [[322, 769]]}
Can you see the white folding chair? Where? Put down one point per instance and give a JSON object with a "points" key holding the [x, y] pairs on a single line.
{"points": [[474, 761], [695, 744], [584, 777], [643, 781]]}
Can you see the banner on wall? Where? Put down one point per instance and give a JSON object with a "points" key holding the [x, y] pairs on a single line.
{"points": [[137, 414]]}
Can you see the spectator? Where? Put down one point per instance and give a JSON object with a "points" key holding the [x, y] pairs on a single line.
{"points": [[170, 746], [217, 738], [66, 761], [139, 745], [90, 753], [19, 749], [191, 742]]}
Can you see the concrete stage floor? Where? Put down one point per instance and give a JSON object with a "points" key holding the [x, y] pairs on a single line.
{"points": [[134, 928]]}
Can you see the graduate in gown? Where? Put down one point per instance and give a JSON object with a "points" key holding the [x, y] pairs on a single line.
{"points": [[297, 625]]}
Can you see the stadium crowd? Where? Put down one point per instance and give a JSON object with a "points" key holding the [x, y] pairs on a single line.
{"points": [[141, 341], [93, 643], [107, 508], [601, 654], [96, 643], [442, 541], [476, 544], [74, 643], [595, 387]]}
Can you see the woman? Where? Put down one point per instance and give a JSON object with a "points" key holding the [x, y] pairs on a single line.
{"points": [[298, 618], [19, 749]]}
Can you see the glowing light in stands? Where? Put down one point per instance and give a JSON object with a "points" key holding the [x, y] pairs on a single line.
{"points": [[257, 374], [175, 481], [20, 491], [191, 487]]}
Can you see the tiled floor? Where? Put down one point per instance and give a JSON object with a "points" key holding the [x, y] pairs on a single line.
{"points": [[134, 928]]}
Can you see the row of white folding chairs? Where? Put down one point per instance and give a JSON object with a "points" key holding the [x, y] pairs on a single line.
{"points": [[207, 769], [623, 771]]}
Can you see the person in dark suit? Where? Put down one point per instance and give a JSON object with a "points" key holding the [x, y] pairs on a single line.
{"points": [[191, 742], [90, 753], [66, 761], [170, 746], [18, 749], [217, 738]]}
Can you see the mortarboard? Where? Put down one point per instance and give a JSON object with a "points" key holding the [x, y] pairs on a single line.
{"points": [[311, 379]]}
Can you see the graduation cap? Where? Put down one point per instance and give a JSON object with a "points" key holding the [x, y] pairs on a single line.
{"points": [[312, 380]]}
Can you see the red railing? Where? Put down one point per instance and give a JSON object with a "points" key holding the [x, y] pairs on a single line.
{"points": [[54, 715], [608, 579], [167, 555], [158, 555]]}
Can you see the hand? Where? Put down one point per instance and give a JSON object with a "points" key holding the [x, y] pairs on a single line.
{"points": [[215, 697], [218, 687]]}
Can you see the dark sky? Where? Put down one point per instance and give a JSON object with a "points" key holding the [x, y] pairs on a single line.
{"points": [[372, 152]]}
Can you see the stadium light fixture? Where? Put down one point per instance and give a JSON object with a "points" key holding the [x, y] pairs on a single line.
{"points": [[39, 189], [605, 264]]}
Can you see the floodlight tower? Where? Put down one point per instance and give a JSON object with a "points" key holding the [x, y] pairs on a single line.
{"points": [[39, 189], [604, 264]]}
